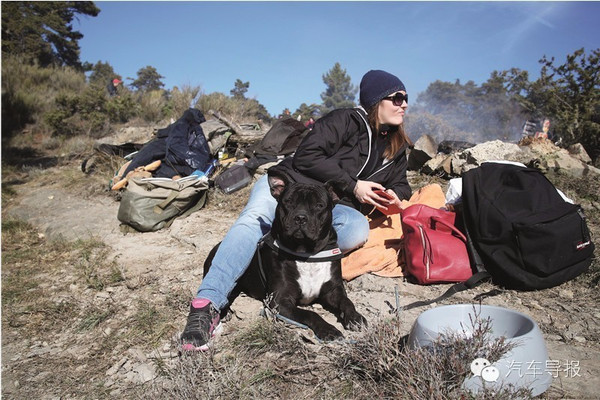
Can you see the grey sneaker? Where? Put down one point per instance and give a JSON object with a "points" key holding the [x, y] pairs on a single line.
{"points": [[203, 323]]}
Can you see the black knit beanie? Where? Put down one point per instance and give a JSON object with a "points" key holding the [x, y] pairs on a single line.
{"points": [[377, 84]]}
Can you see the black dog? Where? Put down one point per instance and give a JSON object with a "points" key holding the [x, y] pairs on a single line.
{"points": [[298, 261]]}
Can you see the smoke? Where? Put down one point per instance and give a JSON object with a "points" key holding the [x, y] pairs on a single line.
{"points": [[475, 120]]}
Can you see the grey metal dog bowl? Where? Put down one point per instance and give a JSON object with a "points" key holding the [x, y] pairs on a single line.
{"points": [[525, 366]]}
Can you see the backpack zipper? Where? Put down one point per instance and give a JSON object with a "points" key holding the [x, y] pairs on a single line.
{"points": [[585, 233]]}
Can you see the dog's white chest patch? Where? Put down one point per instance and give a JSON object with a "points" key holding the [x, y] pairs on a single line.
{"points": [[312, 277]]}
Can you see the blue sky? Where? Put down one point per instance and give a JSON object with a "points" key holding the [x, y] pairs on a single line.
{"points": [[284, 48]]}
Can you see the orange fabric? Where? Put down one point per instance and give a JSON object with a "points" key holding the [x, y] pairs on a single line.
{"points": [[383, 254]]}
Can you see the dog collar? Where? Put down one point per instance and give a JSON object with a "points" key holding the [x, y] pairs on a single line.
{"points": [[324, 255]]}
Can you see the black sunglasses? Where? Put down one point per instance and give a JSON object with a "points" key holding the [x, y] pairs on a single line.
{"points": [[398, 99]]}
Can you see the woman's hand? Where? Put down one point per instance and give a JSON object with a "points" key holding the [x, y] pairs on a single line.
{"points": [[393, 198], [365, 192]]}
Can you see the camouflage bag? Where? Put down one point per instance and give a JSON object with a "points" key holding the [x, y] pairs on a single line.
{"points": [[150, 204]]}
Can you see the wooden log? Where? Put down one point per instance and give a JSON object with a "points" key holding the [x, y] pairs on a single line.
{"points": [[243, 136]]}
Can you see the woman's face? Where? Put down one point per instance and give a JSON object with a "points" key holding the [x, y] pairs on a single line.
{"points": [[389, 113]]}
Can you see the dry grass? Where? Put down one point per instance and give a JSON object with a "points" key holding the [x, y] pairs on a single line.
{"points": [[29, 261], [56, 300], [270, 360], [381, 365], [153, 104], [181, 99]]}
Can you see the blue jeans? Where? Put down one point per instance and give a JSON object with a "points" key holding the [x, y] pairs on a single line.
{"points": [[238, 246]]}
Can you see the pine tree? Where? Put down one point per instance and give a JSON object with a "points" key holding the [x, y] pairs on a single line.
{"points": [[102, 73], [340, 92], [42, 31], [240, 89], [306, 112], [148, 79], [569, 94]]}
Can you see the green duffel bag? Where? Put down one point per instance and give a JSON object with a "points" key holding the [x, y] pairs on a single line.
{"points": [[150, 204]]}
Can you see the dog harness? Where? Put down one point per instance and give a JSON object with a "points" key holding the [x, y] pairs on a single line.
{"points": [[324, 255]]}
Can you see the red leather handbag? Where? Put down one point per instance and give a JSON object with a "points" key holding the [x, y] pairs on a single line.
{"points": [[435, 250]]}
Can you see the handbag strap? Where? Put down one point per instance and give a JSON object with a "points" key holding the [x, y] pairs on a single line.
{"points": [[474, 281], [450, 226]]}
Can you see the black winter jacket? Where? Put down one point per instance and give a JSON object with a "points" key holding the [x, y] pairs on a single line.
{"points": [[337, 149]]}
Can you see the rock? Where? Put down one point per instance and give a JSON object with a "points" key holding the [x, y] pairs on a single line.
{"points": [[116, 367], [536, 305], [562, 161], [213, 127], [550, 157], [495, 150], [539, 146], [215, 133], [42, 376], [138, 354], [145, 372], [459, 166], [452, 146], [130, 134], [425, 149], [574, 330], [39, 351], [489, 151], [556, 338], [441, 164], [576, 150], [102, 296], [566, 293], [109, 382]]}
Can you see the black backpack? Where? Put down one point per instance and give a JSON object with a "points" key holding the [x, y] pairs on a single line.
{"points": [[281, 140], [526, 235]]}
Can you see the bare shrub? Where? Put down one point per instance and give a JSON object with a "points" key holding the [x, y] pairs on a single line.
{"points": [[379, 363], [181, 99], [40, 85], [240, 110], [244, 370], [214, 101], [269, 360], [29, 91], [152, 105]]}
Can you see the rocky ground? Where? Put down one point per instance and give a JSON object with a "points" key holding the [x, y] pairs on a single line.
{"points": [[94, 316]]}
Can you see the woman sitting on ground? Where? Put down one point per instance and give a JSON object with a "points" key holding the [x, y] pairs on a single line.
{"points": [[363, 147]]}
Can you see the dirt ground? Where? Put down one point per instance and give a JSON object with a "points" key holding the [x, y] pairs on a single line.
{"points": [[165, 268]]}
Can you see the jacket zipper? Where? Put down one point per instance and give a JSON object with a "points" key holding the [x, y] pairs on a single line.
{"points": [[384, 166], [386, 163], [369, 153]]}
